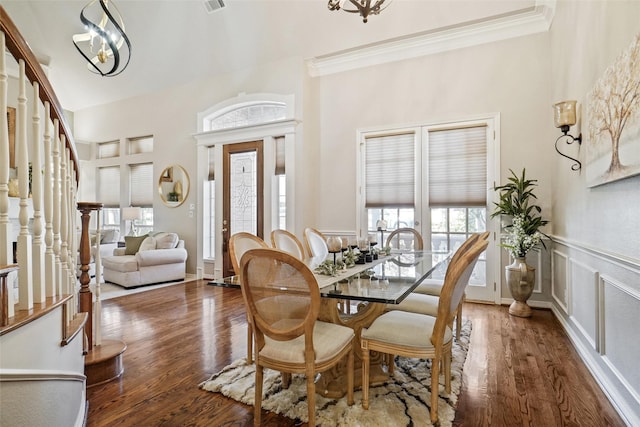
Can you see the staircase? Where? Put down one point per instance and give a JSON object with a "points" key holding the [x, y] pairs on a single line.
{"points": [[42, 323]]}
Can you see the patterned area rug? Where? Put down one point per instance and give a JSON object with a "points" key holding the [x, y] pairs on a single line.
{"points": [[404, 400]]}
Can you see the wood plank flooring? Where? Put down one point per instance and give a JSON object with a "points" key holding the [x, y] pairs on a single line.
{"points": [[518, 371]]}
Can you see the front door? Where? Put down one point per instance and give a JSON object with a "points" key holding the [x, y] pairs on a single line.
{"points": [[242, 194]]}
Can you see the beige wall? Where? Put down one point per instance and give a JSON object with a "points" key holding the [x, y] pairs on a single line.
{"points": [[493, 78], [596, 253], [170, 116], [586, 39]]}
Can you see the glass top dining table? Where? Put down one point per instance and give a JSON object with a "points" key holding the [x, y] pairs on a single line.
{"points": [[387, 280]]}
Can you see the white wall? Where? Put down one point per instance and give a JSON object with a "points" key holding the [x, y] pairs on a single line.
{"points": [[492, 78], [170, 116], [602, 216], [596, 256]]}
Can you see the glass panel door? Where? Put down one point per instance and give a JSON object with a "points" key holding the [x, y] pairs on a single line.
{"points": [[243, 194]]}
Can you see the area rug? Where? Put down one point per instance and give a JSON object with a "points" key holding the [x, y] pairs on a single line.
{"points": [[110, 290], [404, 400]]}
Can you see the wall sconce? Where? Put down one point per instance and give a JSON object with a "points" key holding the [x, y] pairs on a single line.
{"points": [[564, 116]]}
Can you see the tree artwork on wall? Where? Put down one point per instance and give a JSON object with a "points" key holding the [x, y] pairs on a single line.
{"points": [[613, 114]]}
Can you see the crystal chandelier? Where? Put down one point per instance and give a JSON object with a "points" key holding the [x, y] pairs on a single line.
{"points": [[362, 7], [105, 45]]}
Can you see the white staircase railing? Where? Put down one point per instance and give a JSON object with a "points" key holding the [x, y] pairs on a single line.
{"points": [[40, 315]]}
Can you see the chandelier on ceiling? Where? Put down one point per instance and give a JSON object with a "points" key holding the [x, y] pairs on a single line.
{"points": [[104, 45], [362, 7]]}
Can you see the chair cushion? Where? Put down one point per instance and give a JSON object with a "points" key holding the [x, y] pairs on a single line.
{"points": [[405, 329], [132, 244], [109, 236], [148, 244], [123, 263], [328, 339], [418, 303], [429, 287], [166, 240]]}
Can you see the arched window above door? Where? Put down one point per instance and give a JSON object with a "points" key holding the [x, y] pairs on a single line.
{"points": [[250, 114]]}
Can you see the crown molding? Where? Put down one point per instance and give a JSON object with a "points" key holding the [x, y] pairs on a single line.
{"points": [[536, 19]]}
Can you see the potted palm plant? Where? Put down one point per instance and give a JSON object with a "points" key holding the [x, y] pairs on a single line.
{"points": [[521, 234]]}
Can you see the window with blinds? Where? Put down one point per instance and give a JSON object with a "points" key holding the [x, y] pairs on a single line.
{"points": [[109, 186], [141, 179], [107, 150], [140, 145], [458, 166], [389, 171]]}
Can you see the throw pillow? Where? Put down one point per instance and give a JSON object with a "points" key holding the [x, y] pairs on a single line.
{"points": [[166, 240], [132, 244], [148, 244], [109, 236]]}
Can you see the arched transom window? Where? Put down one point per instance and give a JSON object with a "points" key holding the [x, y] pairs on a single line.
{"points": [[246, 115]]}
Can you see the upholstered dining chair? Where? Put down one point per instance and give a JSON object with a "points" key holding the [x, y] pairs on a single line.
{"points": [[421, 336], [283, 300], [315, 242], [239, 243], [405, 239], [288, 242], [425, 297]]}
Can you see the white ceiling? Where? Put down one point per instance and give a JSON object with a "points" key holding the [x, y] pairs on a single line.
{"points": [[176, 41]]}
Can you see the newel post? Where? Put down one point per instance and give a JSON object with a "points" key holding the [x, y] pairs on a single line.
{"points": [[85, 295]]}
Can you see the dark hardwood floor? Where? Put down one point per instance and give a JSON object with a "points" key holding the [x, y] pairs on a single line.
{"points": [[518, 371]]}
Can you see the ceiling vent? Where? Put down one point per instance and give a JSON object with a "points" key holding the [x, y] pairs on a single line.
{"points": [[213, 5]]}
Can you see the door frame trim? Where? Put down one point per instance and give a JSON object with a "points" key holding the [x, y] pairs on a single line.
{"points": [[265, 132]]}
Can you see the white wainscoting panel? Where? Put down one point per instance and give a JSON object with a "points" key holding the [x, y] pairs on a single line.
{"points": [[559, 280], [619, 344], [584, 307], [534, 258], [596, 298]]}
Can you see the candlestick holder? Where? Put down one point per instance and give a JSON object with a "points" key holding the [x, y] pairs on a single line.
{"points": [[334, 245]]}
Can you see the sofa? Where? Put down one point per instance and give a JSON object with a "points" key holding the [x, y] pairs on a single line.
{"points": [[108, 243], [153, 258]]}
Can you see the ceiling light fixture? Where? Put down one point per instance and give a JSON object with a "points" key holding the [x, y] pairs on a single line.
{"points": [[105, 45], [362, 7]]}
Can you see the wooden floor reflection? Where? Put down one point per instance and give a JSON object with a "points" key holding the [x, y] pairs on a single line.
{"points": [[518, 371]]}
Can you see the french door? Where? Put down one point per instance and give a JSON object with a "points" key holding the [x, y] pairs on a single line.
{"points": [[242, 194]]}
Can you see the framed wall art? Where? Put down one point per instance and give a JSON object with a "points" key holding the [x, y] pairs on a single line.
{"points": [[613, 118]]}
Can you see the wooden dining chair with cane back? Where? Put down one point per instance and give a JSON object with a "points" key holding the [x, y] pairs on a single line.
{"points": [[316, 243], [424, 298], [406, 239], [282, 298], [421, 336], [288, 242], [239, 243]]}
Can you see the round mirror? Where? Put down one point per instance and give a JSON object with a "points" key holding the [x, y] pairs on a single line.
{"points": [[173, 185]]}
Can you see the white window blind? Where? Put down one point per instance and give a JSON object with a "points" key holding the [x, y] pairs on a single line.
{"points": [[211, 174], [109, 186], [390, 171], [458, 167], [141, 145], [280, 155], [141, 184], [107, 150]]}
